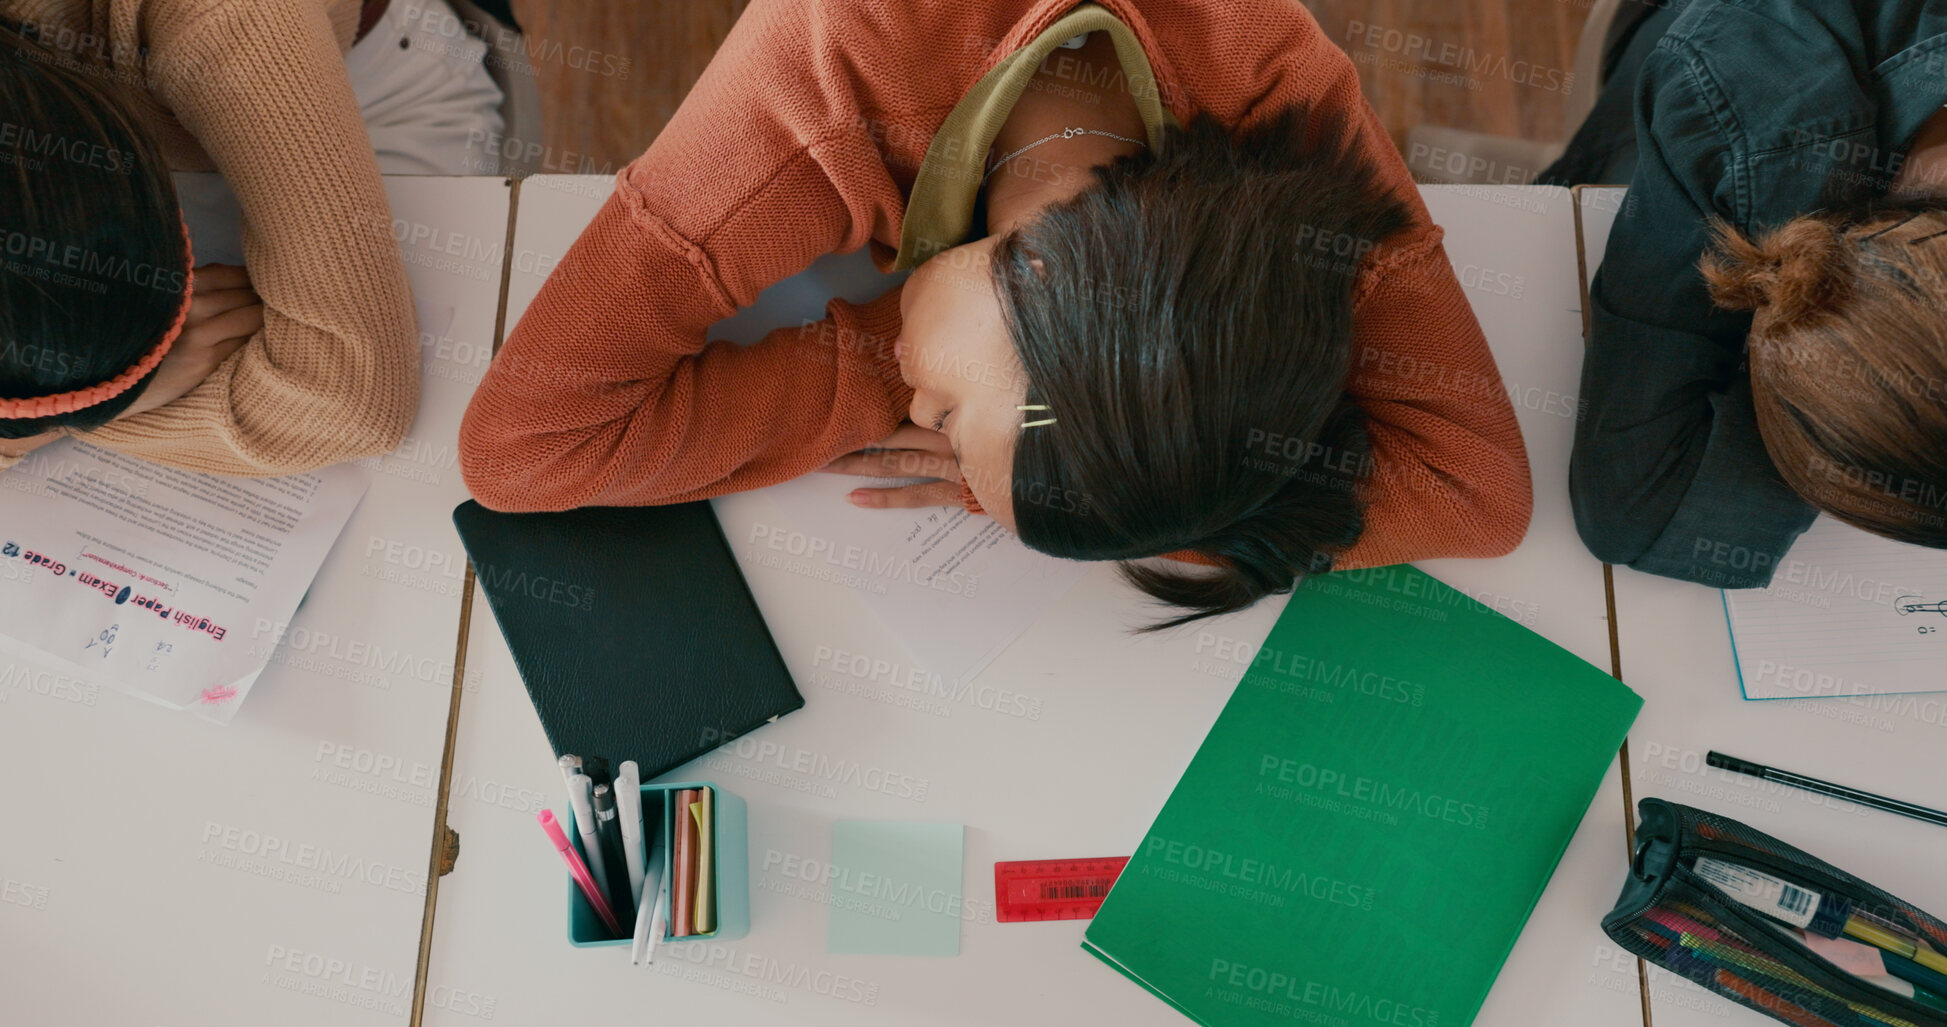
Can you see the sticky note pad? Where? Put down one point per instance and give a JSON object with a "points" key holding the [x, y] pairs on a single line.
{"points": [[895, 888]]}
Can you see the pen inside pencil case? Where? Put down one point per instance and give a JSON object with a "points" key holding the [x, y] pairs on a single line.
{"points": [[1828, 926], [1723, 956], [1807, 905]]}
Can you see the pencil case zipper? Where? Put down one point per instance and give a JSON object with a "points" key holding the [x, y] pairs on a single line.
{"points": [[1757, 929]]}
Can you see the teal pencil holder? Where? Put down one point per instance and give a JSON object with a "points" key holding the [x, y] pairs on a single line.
{"points": [[730, 857]]}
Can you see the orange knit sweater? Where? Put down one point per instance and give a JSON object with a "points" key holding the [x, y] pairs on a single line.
{"points": [[802, 138], [256, 89]]}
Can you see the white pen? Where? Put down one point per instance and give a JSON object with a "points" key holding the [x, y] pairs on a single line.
{"points": [[649, 912], [658, 919], [570, 766], [628, 807], [580, 793]]}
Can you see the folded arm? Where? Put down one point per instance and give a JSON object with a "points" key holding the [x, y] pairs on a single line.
{"points": [[333, 374], [1670, 475], [606, 392]]}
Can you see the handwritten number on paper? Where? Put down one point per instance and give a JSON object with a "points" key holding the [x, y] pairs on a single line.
{"points": [[155, 658]]}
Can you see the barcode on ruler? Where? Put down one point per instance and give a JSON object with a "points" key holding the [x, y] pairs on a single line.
{"points": [[1795, 900], [1075, 890], [1053, 889]]}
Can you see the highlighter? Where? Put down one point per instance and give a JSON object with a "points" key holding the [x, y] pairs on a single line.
{"points": [[578, 870]]}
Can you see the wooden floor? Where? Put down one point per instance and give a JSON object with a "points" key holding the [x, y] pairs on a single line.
{"points": [[1496, 66]]}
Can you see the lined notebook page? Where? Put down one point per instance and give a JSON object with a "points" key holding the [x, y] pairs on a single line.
{"points": [[1847, 613]]}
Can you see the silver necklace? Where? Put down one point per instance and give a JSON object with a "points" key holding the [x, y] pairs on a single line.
{"points": [[1066, 133]]}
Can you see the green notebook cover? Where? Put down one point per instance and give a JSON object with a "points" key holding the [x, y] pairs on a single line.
{"points": [[1372, 818]]}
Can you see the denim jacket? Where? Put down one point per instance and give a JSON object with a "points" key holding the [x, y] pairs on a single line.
{"points": [[1752, 111]]}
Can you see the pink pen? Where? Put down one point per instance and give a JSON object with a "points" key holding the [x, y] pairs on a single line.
{"points": [[578, 870]]}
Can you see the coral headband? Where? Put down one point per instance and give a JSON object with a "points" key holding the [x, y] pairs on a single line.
{"points": [[81, 399]]}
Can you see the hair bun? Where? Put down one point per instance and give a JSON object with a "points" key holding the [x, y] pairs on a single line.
{"points": [[1795, 269]]}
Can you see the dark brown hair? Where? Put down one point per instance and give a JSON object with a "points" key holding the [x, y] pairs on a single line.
{"points": [[92, 265], [1188, 320], [1848, 356]]}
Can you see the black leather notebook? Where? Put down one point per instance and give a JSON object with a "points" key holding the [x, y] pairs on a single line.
{"points": [[631, 627]]}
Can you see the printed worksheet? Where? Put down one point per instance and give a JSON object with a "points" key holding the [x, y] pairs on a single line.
{"points": [[1847, 613], [149, 580], [957, 588]]}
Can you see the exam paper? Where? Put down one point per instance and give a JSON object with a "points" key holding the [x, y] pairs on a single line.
{"points": [[148, 579], [957, 588], [1847, 613]]}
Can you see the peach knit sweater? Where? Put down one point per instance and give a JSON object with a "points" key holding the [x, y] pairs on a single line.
{"points": [[802, 138], [256, 89]]}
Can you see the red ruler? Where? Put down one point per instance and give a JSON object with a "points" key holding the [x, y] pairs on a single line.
{"points": [[1053, 889]]}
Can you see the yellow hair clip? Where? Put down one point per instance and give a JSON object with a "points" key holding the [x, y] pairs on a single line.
{"points": [[1035, 424]]}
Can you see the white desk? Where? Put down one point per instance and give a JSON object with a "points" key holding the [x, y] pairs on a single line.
{"points": [[1118, 718], [157, 869], [1676, 652]]}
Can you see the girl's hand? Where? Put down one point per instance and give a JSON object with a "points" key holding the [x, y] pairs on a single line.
{"points": [[909, 452], [224, 312]]}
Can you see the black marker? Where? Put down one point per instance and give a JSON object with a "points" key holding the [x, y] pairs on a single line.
{"points": [[1813, 784], [608, 830]]}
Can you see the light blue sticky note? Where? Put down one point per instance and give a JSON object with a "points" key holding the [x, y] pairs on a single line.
{"points": [[895, 888]]}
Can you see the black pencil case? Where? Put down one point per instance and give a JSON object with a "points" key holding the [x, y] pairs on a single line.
{"points": [[1733, 925]]}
